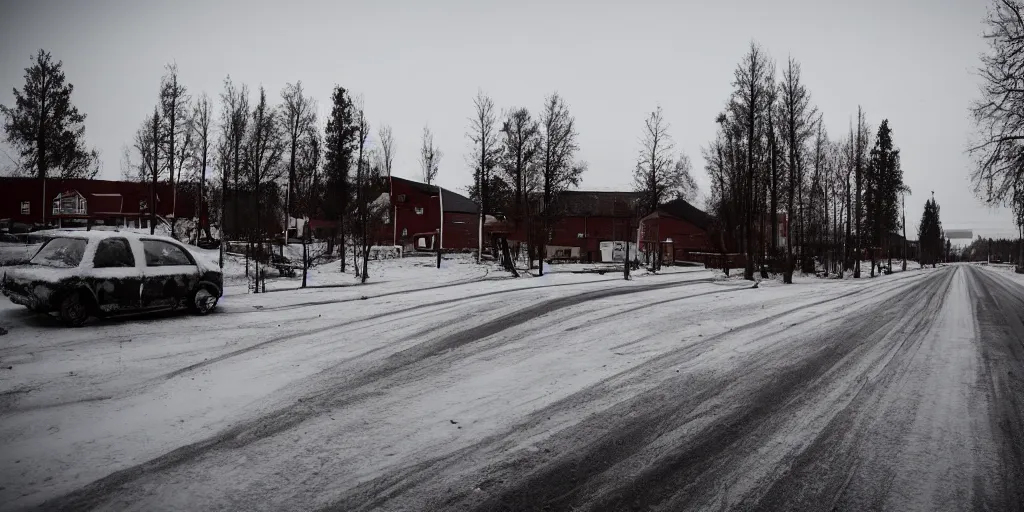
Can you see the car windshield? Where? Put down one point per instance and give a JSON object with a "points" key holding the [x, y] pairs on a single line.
{"points": [[60, 252]]}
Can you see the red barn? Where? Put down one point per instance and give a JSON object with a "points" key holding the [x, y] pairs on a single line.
{"points": [[584, 219], [78, 202], [679, 228], [419, 211], [581, 220]]}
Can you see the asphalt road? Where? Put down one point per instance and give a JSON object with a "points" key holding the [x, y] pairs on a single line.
{"points": [[911, 402], [904, 394]]}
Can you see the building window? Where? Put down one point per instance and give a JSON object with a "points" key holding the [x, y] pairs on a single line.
{"points": [[142, 205], [69, 204], [419, 210], [405, 232], [387, 217], [25, 207]]}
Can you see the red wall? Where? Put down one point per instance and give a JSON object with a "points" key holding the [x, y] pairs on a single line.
{"points": [[685, 236], [404, 216], [16, 190], [460, 229], [566, 232]]}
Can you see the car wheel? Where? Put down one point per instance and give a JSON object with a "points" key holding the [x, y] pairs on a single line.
{"points": [[73, 310], [202, 301]]}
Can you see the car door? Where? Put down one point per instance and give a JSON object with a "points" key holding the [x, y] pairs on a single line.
{"points": [[115, 277], [169, 275]]}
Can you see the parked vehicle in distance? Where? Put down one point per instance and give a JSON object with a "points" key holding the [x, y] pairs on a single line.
{"points": [[78, 274]]}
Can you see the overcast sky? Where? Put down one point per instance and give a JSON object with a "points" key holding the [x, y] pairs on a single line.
{"points": [[419, 63]]}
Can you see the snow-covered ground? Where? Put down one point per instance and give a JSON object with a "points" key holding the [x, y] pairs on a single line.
{"points": [[341, 396]]}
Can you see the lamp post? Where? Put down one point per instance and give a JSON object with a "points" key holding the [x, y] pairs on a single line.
{"points": [[440, 225]]}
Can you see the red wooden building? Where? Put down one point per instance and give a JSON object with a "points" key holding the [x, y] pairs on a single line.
{"points": [[679, 229], [421, 213], [582, 220], [31, 202]]}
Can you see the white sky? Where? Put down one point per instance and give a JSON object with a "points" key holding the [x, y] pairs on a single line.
{"points": [[911, 61]]}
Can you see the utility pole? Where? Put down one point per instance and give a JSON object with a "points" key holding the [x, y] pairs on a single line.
{"points": [[904, 198], [625, 262]]}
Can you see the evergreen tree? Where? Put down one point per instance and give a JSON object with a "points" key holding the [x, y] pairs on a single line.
{"points": [[339, 148], [884, 185], [929, 234], [45, 127]]}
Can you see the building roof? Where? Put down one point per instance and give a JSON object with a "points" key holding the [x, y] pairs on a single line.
{"points": [[457, 203], [584, 203], [453, 202], [681, 209]]}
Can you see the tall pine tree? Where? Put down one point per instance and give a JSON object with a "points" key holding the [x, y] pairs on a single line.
{"points": [[882, 191], [340, 145], [929, 234], [44, 126]]}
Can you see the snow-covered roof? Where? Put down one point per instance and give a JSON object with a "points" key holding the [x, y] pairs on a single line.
{"points": [[99, 234]]}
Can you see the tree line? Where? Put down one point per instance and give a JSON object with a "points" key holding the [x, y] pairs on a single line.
{"points": [[521, 164], [784, 193], [256, 161], [272, 164]]}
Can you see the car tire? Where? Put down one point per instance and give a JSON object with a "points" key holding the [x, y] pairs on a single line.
{"points": [[202, 301], [74, 310]]}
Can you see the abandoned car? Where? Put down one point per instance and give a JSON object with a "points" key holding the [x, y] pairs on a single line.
{"points": [[78, 274]]}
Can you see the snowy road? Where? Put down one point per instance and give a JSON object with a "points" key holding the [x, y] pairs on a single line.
{"points": [[904, 392]]}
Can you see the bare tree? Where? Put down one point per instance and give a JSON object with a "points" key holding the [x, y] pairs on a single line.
{"points": [[798, 116], [364, 184], [860, 144], [202, 125], [234, 127], [430, 157], [483, 158], [386, 155], [298, 114], [998, 150], [174, 106], [308, 186], [999, 114], [519, 162], [750, 103], [559, 169], [147, 145], [654, 165], [658, 176], [264, 149]]}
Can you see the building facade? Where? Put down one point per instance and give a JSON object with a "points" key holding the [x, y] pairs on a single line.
{"points": [[426, 217], [29, 203], [679, 230]]}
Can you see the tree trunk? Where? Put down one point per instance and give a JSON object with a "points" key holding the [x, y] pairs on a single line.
{"points": [[305, 259], [341, 249]]}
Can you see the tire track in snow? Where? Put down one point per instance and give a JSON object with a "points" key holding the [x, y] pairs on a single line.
{"points": [[378, 316], [687, 472], [498, 444], [1000, 306], [333, 396]]}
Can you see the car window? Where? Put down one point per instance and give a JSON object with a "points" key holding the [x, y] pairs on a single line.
{"points": [[113, 253], [163, 254], [60, 252]]}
